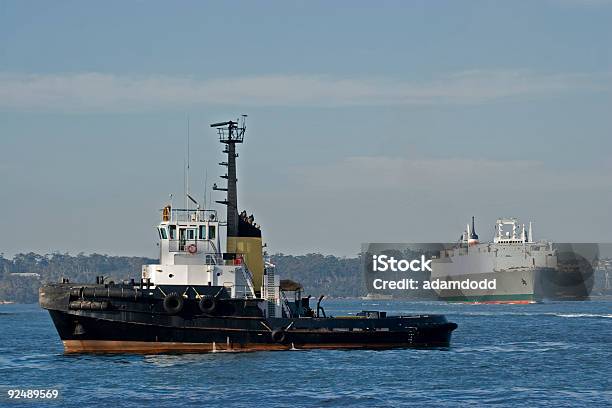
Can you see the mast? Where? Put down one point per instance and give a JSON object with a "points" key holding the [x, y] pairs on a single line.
{"points": [[187, 196], [243, 234], [230, 133]]}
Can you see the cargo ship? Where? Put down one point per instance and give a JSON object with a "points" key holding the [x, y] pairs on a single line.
{"points": [[200, 298], [522, 270]]}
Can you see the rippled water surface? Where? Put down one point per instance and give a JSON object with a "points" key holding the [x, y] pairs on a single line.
{"points": [[555, 354]]}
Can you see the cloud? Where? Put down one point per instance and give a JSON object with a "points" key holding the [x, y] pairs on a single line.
{"points": [[584, 3], [484, 176], [80, 92], [337, 206]]}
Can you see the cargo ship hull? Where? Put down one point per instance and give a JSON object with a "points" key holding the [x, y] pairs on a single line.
{"points": [[515, 286]]}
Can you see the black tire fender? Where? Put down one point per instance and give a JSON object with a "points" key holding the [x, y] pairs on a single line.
{"points": [[278, 335], [173, 303], [207, 304]]}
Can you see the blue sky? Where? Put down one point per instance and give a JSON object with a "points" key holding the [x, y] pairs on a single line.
{"points": [[368, 121]]}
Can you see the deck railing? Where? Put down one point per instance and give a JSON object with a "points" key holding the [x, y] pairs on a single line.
{"points": [[188, 215], [194, 247]]}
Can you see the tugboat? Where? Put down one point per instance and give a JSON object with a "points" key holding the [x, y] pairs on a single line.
{"points": [[202, 299]]}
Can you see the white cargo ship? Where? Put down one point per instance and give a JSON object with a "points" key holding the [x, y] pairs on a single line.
{"points": [[524, 270]]}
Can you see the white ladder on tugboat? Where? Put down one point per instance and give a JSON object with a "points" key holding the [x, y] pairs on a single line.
{"points": [[270, 293], [248, 277], [285, 302]]}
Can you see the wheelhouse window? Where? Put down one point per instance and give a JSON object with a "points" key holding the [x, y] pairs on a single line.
{"points": [[211, 232], [202, 232], [164, 234], [182, 239], [191, 234], [172, 230]]}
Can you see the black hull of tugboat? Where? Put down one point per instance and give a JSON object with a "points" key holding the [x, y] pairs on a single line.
{"points": [[135, 325], [95, 334]]}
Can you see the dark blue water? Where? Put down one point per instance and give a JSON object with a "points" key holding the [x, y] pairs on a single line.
{"points": [[557, 354]]}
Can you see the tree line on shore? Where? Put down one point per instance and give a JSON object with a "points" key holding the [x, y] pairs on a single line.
{"points": [[21, 276]]}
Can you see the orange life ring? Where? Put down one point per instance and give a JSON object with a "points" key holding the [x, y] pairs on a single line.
{"points": [[192, 249]]}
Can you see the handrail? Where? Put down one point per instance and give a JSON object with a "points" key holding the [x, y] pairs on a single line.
{"points": [[285, 304], [248, 277], [182, 245], [241, 291], [191, 215]]}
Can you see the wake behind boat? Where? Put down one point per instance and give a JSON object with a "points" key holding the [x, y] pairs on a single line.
{"points": [[201, 299]]}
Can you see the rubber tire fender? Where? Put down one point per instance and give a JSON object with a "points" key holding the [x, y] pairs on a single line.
{"points": [[278, 335], [207, 304], [173, 303]]}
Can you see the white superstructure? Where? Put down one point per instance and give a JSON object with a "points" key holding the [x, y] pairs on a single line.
{"points": [[509, 232], [512, 248], [189, 253]]}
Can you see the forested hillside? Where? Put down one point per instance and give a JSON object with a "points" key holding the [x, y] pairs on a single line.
{"points": [[51, 268], [322, 274], [318, 273]]}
